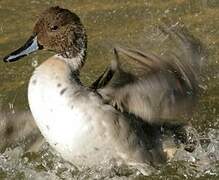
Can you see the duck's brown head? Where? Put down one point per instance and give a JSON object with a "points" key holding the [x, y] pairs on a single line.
{"points": [[58, 30]]}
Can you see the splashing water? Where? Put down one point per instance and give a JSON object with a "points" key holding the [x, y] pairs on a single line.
{"points": [[15, 163]]}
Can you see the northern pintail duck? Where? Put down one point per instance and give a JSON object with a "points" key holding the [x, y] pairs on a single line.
{"points": [[88, 126]]}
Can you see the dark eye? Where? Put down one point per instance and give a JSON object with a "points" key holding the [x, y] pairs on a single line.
{"points": [[54, 28]]}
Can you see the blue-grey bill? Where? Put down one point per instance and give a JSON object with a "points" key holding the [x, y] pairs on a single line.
{"points": [[29, 47]]}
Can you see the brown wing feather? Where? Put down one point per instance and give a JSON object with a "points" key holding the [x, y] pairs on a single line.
{"points": [[153, 88]]}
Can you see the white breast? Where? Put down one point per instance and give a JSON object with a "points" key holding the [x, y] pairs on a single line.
{"points": [[66, 115]]}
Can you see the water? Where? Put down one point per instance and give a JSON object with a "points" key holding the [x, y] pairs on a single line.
{"points": [[108, 23]]}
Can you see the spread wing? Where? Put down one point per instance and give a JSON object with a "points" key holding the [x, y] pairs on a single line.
{"points": [[151, 87]]}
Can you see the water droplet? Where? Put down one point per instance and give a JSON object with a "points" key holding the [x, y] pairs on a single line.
{"points": [[11, 107], [34, 63]]}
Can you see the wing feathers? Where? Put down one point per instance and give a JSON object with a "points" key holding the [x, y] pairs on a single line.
{"points": [[163, 88]]}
